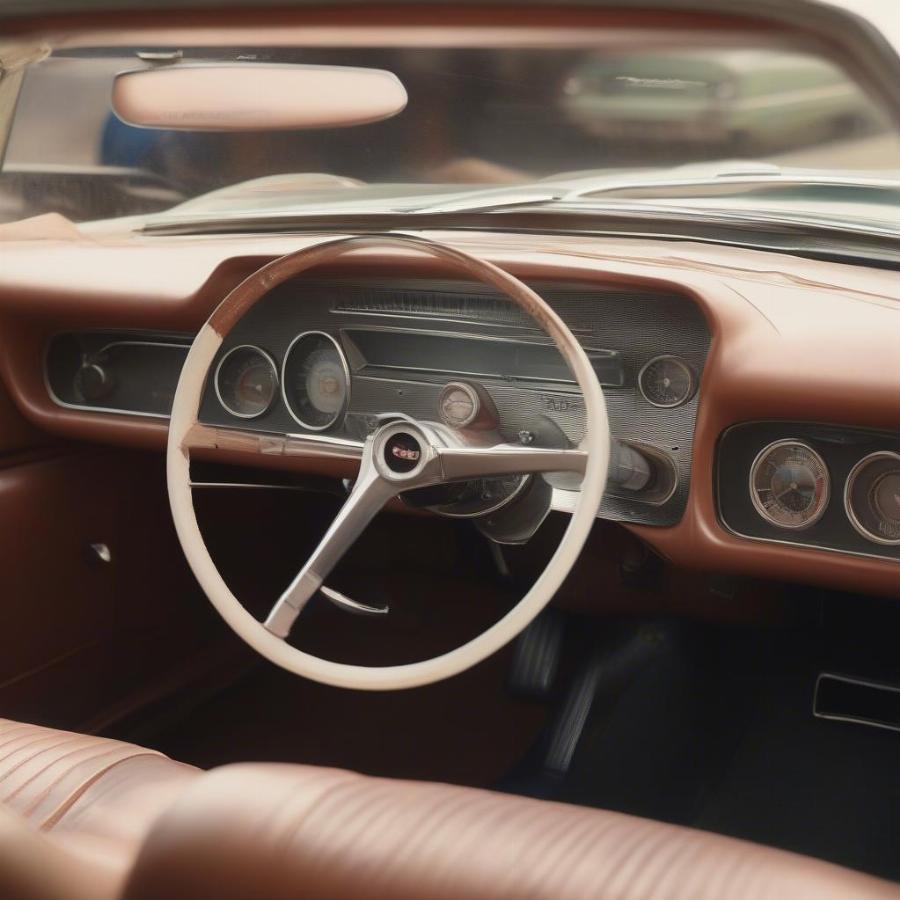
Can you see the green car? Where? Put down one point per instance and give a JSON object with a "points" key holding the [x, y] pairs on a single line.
{"points": [[740, 100]]}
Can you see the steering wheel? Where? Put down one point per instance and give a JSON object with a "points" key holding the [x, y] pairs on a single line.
{"points": [[397, 456]]}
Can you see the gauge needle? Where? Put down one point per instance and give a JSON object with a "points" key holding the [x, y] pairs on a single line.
{"points": [[788, 490]]}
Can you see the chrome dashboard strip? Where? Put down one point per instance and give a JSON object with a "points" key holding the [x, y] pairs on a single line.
{"points": [[802, 546], [248, 486], [167, 345], [104, 409]]}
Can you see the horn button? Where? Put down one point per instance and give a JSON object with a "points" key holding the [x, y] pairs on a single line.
{"points": [[402, 452]]}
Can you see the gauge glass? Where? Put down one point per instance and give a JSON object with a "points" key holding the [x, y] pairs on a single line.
{"points": [[458, 404], [246, 381], [667, 381], [872, 497], [315, 380], [789, 484]]}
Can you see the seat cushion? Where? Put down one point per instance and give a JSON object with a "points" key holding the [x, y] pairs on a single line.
{"points": [[49, 776], [92, 798], [86, 818], [282, 832]]}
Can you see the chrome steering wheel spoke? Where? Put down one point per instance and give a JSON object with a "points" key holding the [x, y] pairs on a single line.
{"points": [[457, 463], [402, 456], [369, 495]]}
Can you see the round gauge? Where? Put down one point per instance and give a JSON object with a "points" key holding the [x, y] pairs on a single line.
{"points": [[246, 380], [872, 497], [315, 380], [667, 381], [458, 404], [789, 484]]}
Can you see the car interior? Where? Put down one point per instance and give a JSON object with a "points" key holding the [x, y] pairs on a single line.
{"points": [[449, 450]]}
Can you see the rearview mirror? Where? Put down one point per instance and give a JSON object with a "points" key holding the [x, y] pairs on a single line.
{"points": [[253, 96]]}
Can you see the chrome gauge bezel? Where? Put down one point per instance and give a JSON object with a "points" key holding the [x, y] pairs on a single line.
{"points": [[470, 392], [339, 415], [757, 503], [670, 357], [848, 491], [272, 365]]}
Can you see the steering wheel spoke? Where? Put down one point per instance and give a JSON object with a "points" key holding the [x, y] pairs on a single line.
{"points": [[214, 437], [368, 497], [457, 463]]}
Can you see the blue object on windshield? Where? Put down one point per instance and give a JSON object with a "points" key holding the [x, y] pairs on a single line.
{"points": [[126, 145]]}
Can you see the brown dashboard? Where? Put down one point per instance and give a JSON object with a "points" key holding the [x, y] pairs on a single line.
{"points": [[799, 345]]}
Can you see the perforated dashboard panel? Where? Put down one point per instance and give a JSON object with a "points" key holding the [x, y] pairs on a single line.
{"points": [[391, 331]]}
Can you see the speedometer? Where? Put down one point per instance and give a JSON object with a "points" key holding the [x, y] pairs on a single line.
{"points": [[315, 380], [789, 484]]}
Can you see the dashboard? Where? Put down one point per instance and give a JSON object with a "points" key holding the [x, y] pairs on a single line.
{"points": [[709, 356], [325, 358]]}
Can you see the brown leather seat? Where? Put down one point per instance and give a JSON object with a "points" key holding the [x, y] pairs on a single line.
{"points": [[92, 818], [77, 809]]}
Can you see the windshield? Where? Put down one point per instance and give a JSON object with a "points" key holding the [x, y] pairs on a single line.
{"points": [[475, 117]]}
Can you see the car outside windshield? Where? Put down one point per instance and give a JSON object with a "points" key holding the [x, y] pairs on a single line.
{"points": [[475, 116]]}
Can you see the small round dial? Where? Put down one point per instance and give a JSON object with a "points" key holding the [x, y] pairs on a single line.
{"points": [[459, 404], [667, 381], [789, 484], [246, 381], [872, 497], [315, 380]]}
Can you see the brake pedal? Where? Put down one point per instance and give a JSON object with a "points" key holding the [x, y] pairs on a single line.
{"points": [[605, 674], [536, 659]]}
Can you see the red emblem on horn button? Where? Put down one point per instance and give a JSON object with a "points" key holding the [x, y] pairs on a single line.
{"points": [[402, 453]]}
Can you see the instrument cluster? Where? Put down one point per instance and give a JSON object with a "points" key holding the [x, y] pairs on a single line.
{"points": [[330, 359], [817, 485], [327, 358]]}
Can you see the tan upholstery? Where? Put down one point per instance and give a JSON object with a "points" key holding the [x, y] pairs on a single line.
{"points": [[75, 809], [91, 819], [280, 832], [45, 774]]}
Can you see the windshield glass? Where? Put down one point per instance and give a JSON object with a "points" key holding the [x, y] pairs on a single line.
{"points": [[475, 117]]}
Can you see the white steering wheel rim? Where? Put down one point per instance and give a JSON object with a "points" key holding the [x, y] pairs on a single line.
{"points": [[185, 409]]}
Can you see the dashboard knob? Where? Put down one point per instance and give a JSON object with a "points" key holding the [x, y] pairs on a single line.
{"points": [[628, 468], [93, 382]]}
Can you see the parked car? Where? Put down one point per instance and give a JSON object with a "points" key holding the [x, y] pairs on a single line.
{"points": [[740, 100]]}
